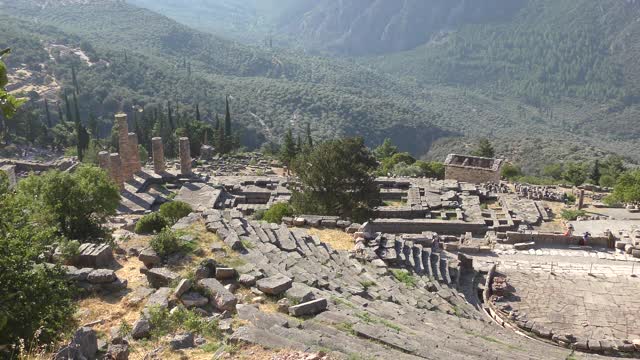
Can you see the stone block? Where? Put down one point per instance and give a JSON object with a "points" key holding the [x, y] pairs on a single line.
{"points": [[101, 276], [183, 286], [219, 295], [193, 299], [225, 273], [149, 258], [160, 277], [95, 255], [309, 308], [274, 285]]}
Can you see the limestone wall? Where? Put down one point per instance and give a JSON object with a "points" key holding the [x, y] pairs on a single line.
{"points": [[417, 226], [551, 239], [470, 174]]}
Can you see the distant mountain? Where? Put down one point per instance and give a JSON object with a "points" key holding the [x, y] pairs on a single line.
{"points": [[546, 80]]}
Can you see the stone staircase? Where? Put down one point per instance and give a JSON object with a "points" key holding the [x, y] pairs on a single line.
{"points": [[371, 313]]}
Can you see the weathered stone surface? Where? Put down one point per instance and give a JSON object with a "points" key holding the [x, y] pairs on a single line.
{"points": [[233, 241], [159, 298], [193, 299], [159, 277], [183, 286], [101, 276], [141, 329], [309, 308], [274, 285], [265, 338], [200, 196], [219, 295], [87, 341], [299, 293], [247, 280], [138, 295], [225, 273], [182, 341], [149, 258], [261, 319], [95, 255], [118, 352], [524, 246]]}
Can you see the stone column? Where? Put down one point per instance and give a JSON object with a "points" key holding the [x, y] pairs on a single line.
{"points": [[104, 161], [123, 144], [581, 200], [115, 170], [157, 148], [185, 156], [134, 154]]}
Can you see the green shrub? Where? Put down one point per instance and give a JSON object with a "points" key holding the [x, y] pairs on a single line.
{"points": [[276, 212], [404, 277], [571, 199], [165, 243], [164, 323], [151, 223], [572, 215], [175, 210]]}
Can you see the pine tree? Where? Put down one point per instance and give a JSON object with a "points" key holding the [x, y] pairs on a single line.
{"points": [[485, 149], [46, 109]]}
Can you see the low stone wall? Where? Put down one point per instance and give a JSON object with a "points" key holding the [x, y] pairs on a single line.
{"points": [[552, 239], [418, 226]]}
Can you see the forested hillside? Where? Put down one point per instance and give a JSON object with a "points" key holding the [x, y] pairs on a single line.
{"points": [[148, 60]]}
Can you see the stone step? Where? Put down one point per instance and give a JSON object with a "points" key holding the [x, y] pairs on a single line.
{"points": [[444, 270]]}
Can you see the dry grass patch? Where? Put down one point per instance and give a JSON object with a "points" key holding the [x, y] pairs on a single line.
{"points": [[338, 239]]}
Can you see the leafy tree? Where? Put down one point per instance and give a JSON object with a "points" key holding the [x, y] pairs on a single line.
{"points": [[77, 204], [386, 150], [388, 164], [485, 149], [607, 181], [627, 188], [511, 172], [35, 298], [337, 179], [553, 171], [8, 104], [575, 174]]}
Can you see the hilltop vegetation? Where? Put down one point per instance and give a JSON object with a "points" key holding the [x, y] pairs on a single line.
{"points": [[422, 99]]}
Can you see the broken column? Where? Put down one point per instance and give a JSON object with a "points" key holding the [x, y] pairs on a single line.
{"points": [[185, 156], [115, 170], [581, 200], [134, 154], [10, 172], [157, 147], [123, 145], [104, 161]]}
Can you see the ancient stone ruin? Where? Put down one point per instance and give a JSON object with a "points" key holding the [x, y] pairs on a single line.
{"points": [[472, 169]]}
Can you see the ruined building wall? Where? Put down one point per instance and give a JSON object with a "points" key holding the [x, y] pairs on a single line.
{"points": [[471, 175]]}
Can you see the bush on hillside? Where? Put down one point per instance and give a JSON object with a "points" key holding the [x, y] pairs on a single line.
{"points": [[572, 215], [175, 210], [151, 223], [276, 212], [165, 243]]}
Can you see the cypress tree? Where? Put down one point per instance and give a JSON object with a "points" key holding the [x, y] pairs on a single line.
{"points": [[221, 143], [75, 79], [596, 173], [68, 106], [77, 109], [217, 123], [288, 149], [170, 115], [60, 118], [309, 138], [299, 143], [46, 109], [198, 112], [227, 119]]}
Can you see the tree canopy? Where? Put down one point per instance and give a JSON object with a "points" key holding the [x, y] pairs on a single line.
{"points": [[337, 179]]}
